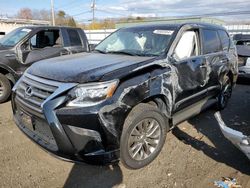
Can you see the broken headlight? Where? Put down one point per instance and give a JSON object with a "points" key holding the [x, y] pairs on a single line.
{"points": [[91, 94]]}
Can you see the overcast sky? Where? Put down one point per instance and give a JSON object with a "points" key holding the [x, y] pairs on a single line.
{"points": [[80, 9]]}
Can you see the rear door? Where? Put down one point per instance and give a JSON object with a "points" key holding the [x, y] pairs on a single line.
{"points": [[74, 41], [215, 56]]}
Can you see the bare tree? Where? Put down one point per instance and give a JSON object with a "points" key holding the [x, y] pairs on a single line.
{"points": [[24, 13], [41, 14]]}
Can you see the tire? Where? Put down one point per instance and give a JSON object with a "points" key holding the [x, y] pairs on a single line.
{"points": [[153, 130], [225, 93], [5, 88]]}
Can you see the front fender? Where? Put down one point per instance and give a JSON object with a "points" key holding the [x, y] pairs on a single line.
{"points": [[10, 73], [159, 82]]}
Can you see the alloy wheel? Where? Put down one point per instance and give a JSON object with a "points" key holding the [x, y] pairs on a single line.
{"points": [[1, 88], [144, 139]]}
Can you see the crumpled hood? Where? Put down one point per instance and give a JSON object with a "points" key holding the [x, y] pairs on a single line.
{"points": [[83, 67]]}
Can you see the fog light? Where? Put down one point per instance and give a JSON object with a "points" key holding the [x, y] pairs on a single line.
{"points": [[86, 132]]}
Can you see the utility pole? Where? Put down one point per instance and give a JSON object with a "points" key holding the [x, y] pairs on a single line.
{"points": [[93, 11], [52, 12]]}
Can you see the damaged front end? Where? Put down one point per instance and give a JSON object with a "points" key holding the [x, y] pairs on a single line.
{"points": [[240, 140]]}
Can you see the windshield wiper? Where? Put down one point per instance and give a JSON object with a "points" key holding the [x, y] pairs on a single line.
{"points": [[122, 52], [100, 51]]}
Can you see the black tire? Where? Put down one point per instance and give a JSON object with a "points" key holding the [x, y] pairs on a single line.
{"points": [[149, 116], [225, 93], [5, 88]]}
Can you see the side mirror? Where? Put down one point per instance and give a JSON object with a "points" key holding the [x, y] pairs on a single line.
{"points": [[172, 58], [92, 47], [25, 46]]}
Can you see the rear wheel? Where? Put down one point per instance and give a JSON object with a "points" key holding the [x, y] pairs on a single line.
{"points": [[225, 93], [5, 88], [143, 136]]}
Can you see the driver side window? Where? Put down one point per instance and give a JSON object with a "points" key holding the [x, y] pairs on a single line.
{"points": [[45, 38], [187, 46]]}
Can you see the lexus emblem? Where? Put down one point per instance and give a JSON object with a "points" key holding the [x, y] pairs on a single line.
{"points": [[28, 92]]}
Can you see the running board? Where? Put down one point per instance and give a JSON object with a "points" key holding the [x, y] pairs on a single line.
{"points": [[192, 110]]}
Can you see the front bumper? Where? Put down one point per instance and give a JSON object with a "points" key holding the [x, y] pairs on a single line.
{"points": [[70, 134]]}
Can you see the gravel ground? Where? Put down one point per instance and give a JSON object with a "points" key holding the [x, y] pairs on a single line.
{"points": [[195, 155]]}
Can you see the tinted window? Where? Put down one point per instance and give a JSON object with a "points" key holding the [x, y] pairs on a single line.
{"points": [[74, 38], [224, 39], [211, 41]]}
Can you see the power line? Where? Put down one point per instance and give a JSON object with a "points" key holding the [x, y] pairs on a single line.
{"points": [[85, 12], [110, 12]]}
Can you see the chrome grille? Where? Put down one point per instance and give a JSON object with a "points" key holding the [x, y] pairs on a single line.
{"points": [[40, 89]]}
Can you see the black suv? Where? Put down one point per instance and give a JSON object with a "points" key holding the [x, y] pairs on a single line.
{"points": [[26, 45], [120, 100]]}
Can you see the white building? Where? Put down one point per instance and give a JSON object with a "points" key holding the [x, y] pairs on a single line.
{"points": [[7, 25]]}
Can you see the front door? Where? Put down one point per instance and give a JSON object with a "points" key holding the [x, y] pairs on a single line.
{"points": [[193, 69]]}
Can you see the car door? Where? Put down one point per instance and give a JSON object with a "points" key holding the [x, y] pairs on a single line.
{"points": [[192, 68], [215, 56], [74, 41], [44, 44]]}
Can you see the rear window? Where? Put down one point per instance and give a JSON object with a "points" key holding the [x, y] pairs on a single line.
{"points": [[211, 41], [74, 38], [224, 39]]}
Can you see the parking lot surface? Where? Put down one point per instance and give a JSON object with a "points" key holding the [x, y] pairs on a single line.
{"points": [[195, 155]]}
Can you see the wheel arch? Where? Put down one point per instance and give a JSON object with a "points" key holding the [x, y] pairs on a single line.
{"points": [[8, 74], [161, 101]]}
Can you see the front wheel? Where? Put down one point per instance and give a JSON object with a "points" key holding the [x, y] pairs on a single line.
{"points": [[225, 93], [5, 88], [143, 136]]}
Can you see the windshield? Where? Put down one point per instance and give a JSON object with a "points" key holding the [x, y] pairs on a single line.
{"points": [[12, 38], [137, 41]]}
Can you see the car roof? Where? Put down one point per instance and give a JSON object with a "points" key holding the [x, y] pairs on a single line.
{"points": [[179, 25], [47, 27]]}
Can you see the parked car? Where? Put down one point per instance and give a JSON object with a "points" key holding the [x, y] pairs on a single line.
{"points": [[120, 100], [26, 45], [242, 42]]}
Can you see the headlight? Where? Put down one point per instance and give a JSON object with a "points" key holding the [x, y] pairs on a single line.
{"points": [[92, 94]]}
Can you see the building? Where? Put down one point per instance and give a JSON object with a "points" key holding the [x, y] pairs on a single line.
{"points": [[7, 24]]}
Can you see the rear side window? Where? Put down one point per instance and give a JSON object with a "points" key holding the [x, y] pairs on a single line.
{"points": [[74, 38], [211, 41], [224, 39]]}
